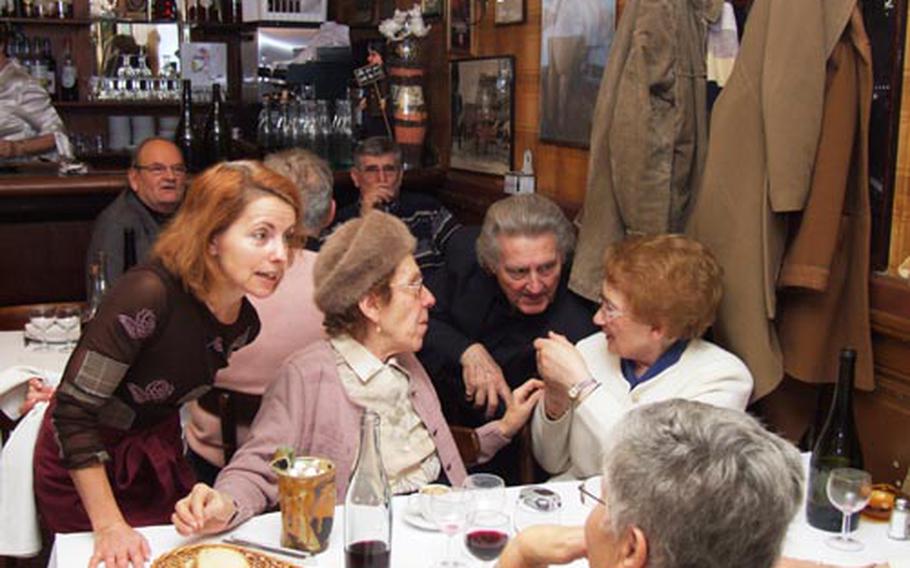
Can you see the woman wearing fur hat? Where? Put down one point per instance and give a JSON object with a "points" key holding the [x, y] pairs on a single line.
{"points": [[376, 311]]}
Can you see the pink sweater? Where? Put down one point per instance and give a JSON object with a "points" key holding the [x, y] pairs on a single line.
{"points": [[307, 408], [290, 321]]}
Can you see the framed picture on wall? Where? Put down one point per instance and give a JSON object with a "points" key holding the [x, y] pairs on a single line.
{"points": [[459, 32], [508, 12], [483, 106], [432, 8], [575, 40]]}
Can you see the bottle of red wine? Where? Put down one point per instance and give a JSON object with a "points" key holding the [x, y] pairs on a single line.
{"points": [[69, 76], [837, 445], [185, 136], [217, 134], [368, 504]]}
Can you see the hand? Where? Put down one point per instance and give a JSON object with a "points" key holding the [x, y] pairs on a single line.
{"points": [[37, 392], [555, 402], [542, 545], [119, 546], [559, 363], [484, 383], [372, 198], [519, 409], [203, 511]]}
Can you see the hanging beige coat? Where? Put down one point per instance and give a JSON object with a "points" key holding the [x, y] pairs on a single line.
{"points": [[649, 130], [765, 130]]}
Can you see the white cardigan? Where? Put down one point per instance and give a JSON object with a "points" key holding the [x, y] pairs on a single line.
{"points": [[571, 446]]}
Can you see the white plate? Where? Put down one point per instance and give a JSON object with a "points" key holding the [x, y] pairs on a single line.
{"points": [[415, 518]]}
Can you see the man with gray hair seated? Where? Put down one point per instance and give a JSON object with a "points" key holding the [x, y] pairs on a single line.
{"points": [[377, 174], [501, 288], [684, 484]]}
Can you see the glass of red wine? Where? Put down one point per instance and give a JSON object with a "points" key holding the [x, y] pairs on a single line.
{"points": [[487, 534]]}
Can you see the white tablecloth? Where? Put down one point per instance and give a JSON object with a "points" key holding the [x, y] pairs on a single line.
{"points": [[416, 548], [13, 353]]}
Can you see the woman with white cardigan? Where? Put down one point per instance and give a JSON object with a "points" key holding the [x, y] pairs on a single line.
{"points": [[660, 293]]}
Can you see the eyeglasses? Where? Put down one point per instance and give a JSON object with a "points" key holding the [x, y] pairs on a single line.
{"points": [[160, 169], [412, 287], [588, 498], [610, 311], [373, 170]]}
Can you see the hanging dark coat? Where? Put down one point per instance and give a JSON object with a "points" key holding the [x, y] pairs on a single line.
{"points": [[764, 141], [649, 130]]}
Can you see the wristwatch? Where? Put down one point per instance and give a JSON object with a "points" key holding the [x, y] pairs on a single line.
{"points": [[580, 387]]}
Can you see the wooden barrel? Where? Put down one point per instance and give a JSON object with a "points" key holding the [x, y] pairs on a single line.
{"points": [[409, 112]]}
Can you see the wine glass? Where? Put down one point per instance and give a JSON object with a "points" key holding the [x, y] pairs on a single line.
{"points": [[487, 535], [488, 491], [41, 318], [450, 512], [68, 320], [848, 490]]}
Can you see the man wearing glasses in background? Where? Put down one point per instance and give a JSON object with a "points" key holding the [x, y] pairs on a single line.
{"points": [[157, 179], [377, 174]]}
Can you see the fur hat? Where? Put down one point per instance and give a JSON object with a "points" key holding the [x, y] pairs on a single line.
{"points": [[360, 253]]}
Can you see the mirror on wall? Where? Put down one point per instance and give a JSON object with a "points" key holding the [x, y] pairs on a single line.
{"points": [[120, 44]]}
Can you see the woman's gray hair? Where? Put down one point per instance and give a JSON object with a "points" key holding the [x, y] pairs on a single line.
{"points": [[312, 175], [528, 215], [708, 486]]}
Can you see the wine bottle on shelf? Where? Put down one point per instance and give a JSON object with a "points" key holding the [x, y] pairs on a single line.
{"points": [[217, 134], [837, 446], [97, 286], [368, 503], [129, 248], [51, 65], [185, 136], [69, 75]]}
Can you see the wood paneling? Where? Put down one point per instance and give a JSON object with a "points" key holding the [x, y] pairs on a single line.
{"points": [[900, 215]]}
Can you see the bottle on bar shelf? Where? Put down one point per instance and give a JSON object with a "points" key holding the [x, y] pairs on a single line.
{"points": [[217, 136], [185, 136], [48, 56], [837, 446]]}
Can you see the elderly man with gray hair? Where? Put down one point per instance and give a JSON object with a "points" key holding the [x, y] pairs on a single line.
{"points": [[499, 290], [684, 484], [290, 321]]}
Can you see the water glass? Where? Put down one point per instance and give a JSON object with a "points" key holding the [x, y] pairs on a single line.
{"points": [[68, 321], [488, 491], [41, 318], [849, 491]]}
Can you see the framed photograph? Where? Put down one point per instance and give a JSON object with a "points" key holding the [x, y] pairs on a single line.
{"points": [[461, 13], [483, 106], [575, 40], [509, 12], [432, 8]]}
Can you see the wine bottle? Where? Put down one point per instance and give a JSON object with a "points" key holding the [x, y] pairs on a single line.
{"points": [[51, 65], [97, 287], [217, 134], [185, 136], [837, 446], [368, 503], [69, 76]]}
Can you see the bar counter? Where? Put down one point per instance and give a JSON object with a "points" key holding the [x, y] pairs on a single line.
{"points": [[46, 223]]}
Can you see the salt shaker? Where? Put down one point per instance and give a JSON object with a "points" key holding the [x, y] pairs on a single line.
{"points": [[899, 526]]}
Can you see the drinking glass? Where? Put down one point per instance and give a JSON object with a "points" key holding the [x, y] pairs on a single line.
{"points": [[488, 491], [41, 319], [68, 321], [450, 512], [848, 490], [487, 535]]}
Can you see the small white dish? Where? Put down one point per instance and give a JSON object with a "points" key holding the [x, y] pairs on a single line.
{"points": [[415, 518]]}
